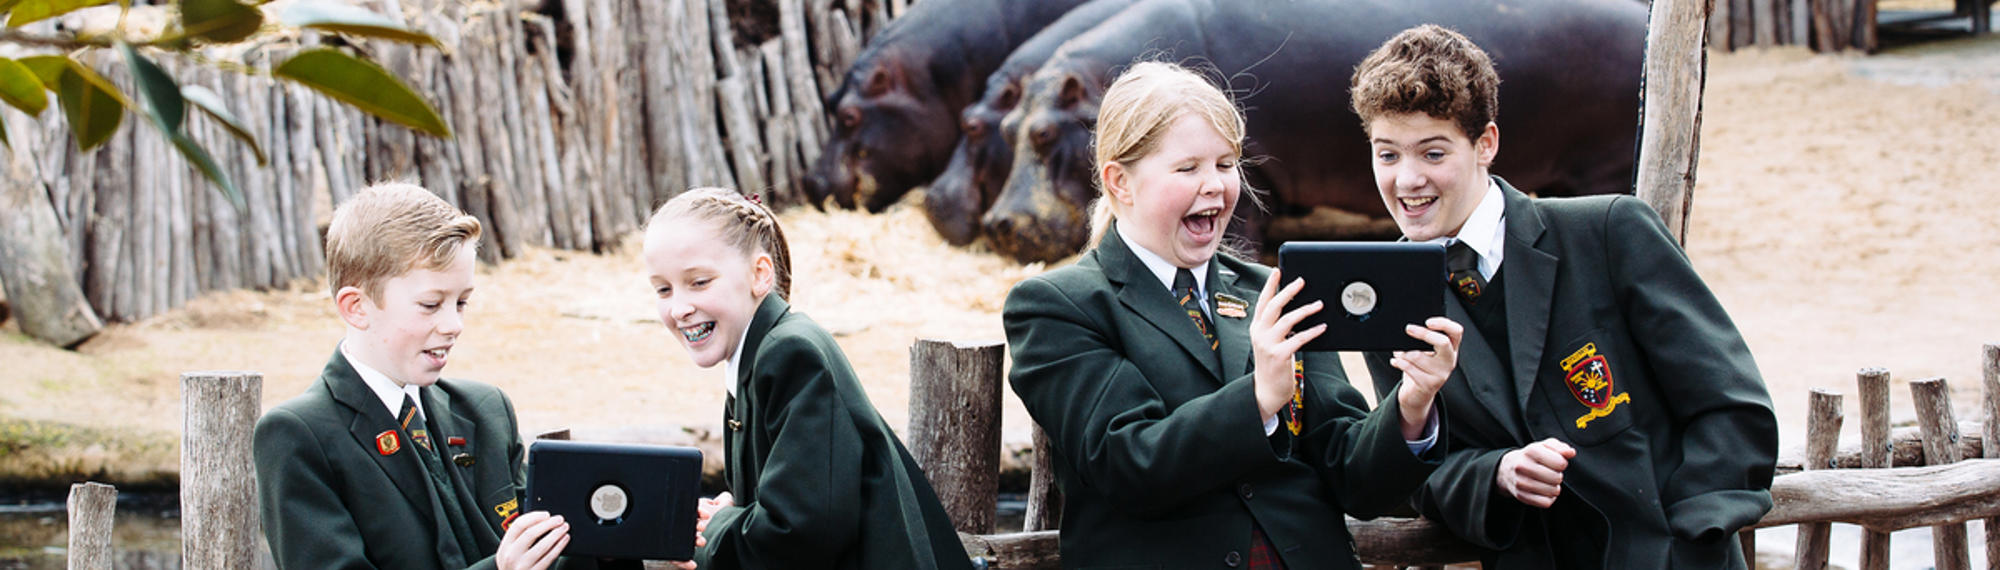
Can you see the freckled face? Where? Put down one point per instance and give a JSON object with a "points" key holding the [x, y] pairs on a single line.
{"points": [[1430, 175], [708, 290], [407, 334]]}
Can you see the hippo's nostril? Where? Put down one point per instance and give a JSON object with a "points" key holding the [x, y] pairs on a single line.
{"points": [[974, 129], [1001, 225]]}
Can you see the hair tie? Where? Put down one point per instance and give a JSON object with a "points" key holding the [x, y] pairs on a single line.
{"points": [[755, 199]]}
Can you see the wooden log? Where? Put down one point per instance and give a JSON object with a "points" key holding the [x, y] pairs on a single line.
{"points": [[780, 136], [219, 524], [1719, 32], [1044, 496], [1874, 453], [567, 138], [1747, 540], [1932, 397], [1843, 23], [1801, 21], [1741, 30], [1022, 550], [1992, 407], [92, 507], [744, 140], [526, 191], [539, 34], [1906, 449], [848, 44], [1887, 499], [1765, 21], [703, 139], [558, 435], [1822, 436], [665, 159], [954, 429], [612, 219], [812, 129], [35, 269], [1822, 26], [1864, 27], [1671, 139], [637, 191]]}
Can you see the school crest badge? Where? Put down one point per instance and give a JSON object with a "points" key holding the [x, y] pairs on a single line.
{"points": [[387, 443], [1588, 376]]}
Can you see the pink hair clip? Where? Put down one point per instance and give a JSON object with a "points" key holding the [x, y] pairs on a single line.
{"points": [[755, 199]]}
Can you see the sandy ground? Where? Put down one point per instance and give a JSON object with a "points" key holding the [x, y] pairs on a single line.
{"points": [[1844, 215]]}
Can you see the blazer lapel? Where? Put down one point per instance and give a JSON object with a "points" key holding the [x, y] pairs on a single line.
{"points": [[1530, 275], [450, 420], [1476, 353], [1146, 296], [370, 421], [1233, 332]]}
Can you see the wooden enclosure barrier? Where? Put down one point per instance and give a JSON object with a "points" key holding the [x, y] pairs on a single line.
{"points": [[954, 429], [1823, 25], [1991, 356], [219, 524], [1822, 437], [1933, 402], [92, 507]]}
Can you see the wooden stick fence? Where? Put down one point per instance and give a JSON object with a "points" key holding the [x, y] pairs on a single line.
{"points": [[1823, 25], [571, 119], [220, 522]]}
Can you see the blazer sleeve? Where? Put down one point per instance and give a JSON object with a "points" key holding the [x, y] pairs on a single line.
{"points": [[1106, 421], [305, 520], [808, 507], [1719, 405], [1460, 494], [1361, 455]]}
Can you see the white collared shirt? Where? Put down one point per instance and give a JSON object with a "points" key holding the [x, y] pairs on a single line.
{"points": [[390, 391], [1165, 270], [735, 360], [1485, 231]]}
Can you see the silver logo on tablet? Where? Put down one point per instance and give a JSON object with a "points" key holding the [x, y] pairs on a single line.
{"points": [[1358, 298], [608, 502]]}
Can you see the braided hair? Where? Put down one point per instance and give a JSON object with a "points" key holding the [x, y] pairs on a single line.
{"points": [[744, 223]]}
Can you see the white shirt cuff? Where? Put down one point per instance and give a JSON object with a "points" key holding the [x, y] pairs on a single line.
{"points": [[1420, 446], [1271, 425]]}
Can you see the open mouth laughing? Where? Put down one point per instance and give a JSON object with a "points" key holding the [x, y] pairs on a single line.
{"points": [[698, 332], [1202, 224]]}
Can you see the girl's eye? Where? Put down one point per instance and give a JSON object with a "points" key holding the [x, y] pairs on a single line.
{"points": [[461, 304], [663, 290], [1434, 155], [1226, 165], [1385, 156], [701, 283], [428, 306], [1185, 168]]}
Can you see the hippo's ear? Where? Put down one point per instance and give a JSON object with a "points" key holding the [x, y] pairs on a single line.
{"points": [[1072, 92], [884, 78]]}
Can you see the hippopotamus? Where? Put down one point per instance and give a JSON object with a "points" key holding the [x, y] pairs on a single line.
{"points": [[956, 199], [1569, 108], [896, 111]]}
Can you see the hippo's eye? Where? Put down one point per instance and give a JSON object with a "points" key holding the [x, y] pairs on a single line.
{"points": [[849, 117], [974, 128]]}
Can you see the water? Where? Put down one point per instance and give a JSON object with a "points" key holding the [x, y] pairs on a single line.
{"points": [[145, 532]]}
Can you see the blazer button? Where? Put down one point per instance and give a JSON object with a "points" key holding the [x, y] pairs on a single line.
{"points": [[1244, 490], [1232, 559]]}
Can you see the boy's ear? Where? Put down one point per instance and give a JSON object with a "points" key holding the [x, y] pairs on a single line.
{"points": [[1488, 144], [763, 275], [352, 305]]}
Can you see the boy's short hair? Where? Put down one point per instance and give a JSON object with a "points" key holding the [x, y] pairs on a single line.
{"points": [[390, 228], [1430, 70]]}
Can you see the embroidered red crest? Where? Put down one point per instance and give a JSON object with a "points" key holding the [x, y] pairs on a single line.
{"points": [[1589, 380], [387, 443]]}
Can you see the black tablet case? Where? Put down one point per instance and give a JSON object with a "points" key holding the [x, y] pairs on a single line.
{"points": [[662, 485], [1408, 281]]}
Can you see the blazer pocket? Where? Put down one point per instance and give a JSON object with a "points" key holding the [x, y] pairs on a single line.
{"points": [[1584, 392]]}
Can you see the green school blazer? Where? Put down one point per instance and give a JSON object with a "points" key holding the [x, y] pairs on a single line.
{"points": [[330, 496], [818, 478], [1621, 351], [1157, 441]]}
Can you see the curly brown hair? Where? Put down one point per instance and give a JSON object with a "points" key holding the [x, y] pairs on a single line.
{"points": [[1431, 70]]}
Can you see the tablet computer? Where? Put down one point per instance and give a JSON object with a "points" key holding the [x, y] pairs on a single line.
{"points": [[624, 501], [1371, 290]]}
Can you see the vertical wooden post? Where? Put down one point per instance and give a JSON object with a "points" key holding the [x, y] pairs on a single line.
{"points": [[219, 524], [1670, 126], [955, 426], [1822, 437], [1044, 498], [1748, 538], [1933, 402], [1875, 452], [1992, 442], [91, 508]]}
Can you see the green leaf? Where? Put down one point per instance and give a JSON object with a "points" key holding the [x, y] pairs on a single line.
{"points": [[220, 21], [30, 11], [47, 68], [353, 20], [211, 104], [93, 107], [364, 85], [195, 155], [19, 87], [162, 97]]}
